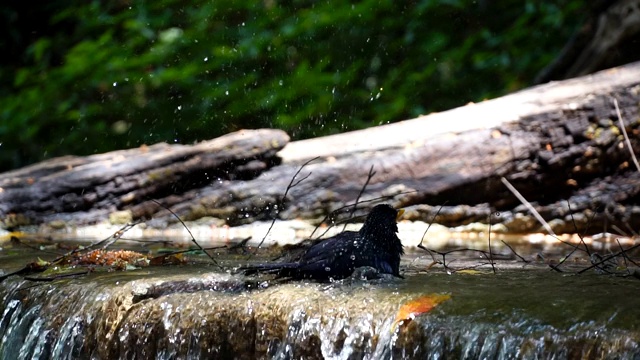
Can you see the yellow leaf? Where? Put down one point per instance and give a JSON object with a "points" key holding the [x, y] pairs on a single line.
{"points": [[42, 263], [470, 272]]}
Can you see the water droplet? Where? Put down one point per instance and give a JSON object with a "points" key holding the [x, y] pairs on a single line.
{"points": [[327, 269], [353, 257]]}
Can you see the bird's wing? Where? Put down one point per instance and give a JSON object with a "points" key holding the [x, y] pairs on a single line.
{"points": [[333, 255]]}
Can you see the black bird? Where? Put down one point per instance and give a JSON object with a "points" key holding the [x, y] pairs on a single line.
{"points": [[376, 245]]}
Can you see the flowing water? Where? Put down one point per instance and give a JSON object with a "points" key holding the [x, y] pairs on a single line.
{"points": [[199, 312]]}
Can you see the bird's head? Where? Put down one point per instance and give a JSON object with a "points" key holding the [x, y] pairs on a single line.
{"points": [[381, 221]]}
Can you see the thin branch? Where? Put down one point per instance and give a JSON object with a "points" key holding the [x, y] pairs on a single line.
{"points": [[490, 251], [528, 205], [364, 187], [433, 258], [445, 253], [581, 237], [626, 137], [620, 231], [607, 258], [514, 252], [340, 209], [575, 227], [104, 243], [34, 267], [291, 185], [433, 219], [624, 254], [193, 239]]}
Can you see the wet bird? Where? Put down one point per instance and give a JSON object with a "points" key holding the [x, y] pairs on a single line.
{"points": [[376, 245]]}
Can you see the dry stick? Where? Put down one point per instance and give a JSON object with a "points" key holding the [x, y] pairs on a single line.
{"points": [[193, 239], [620, 231], [104, 243], [115, 236], [556, 267], [339, 210], [607, 258], [490, 251], [575, 227], [514, 252], [284, 198], [364, 187], [624, 254], [624, 257], [535, 213], [36, 248], [445, 253], [433, 219], [631, 230], [470, 267], [624, 133], [528, 205]]}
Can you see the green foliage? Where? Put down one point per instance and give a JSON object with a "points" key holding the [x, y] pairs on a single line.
{"points": [[105, 75]]}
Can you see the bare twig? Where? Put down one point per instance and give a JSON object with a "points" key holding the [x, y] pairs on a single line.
{"points": [[514, 252], [624, 254], [528, 205], [433, 219], [626, 137], [575, 227], [340, 209], [103, 244], [605, 259], [490, 251], [364, 187], [193, 239], [444, 254], [580, 236], [33, 267], [291, 185], [620, 231]]}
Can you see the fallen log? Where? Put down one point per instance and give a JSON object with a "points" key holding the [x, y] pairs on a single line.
{"points": [[81, 190], [560, 145]]}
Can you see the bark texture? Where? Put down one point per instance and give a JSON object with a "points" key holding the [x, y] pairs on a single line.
{"points": [[559, 144]]}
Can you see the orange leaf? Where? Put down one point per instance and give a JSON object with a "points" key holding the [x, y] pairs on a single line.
{"points": [[169, 259], [409, 310]]}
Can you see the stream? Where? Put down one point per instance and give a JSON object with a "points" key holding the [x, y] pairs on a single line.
{"points": [[196, 311]]}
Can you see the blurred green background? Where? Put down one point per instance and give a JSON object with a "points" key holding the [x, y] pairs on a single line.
{"points": [[81, 77]]}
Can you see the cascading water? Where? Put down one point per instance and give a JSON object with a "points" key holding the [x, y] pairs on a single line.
{"points": [[193, 313]]}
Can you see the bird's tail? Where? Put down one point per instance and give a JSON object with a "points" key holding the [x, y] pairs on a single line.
{"points": [[282, 269]]}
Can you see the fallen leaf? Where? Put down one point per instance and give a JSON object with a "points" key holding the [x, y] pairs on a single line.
{"points": [[168, 259], [471, 272], [409, 310]]}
